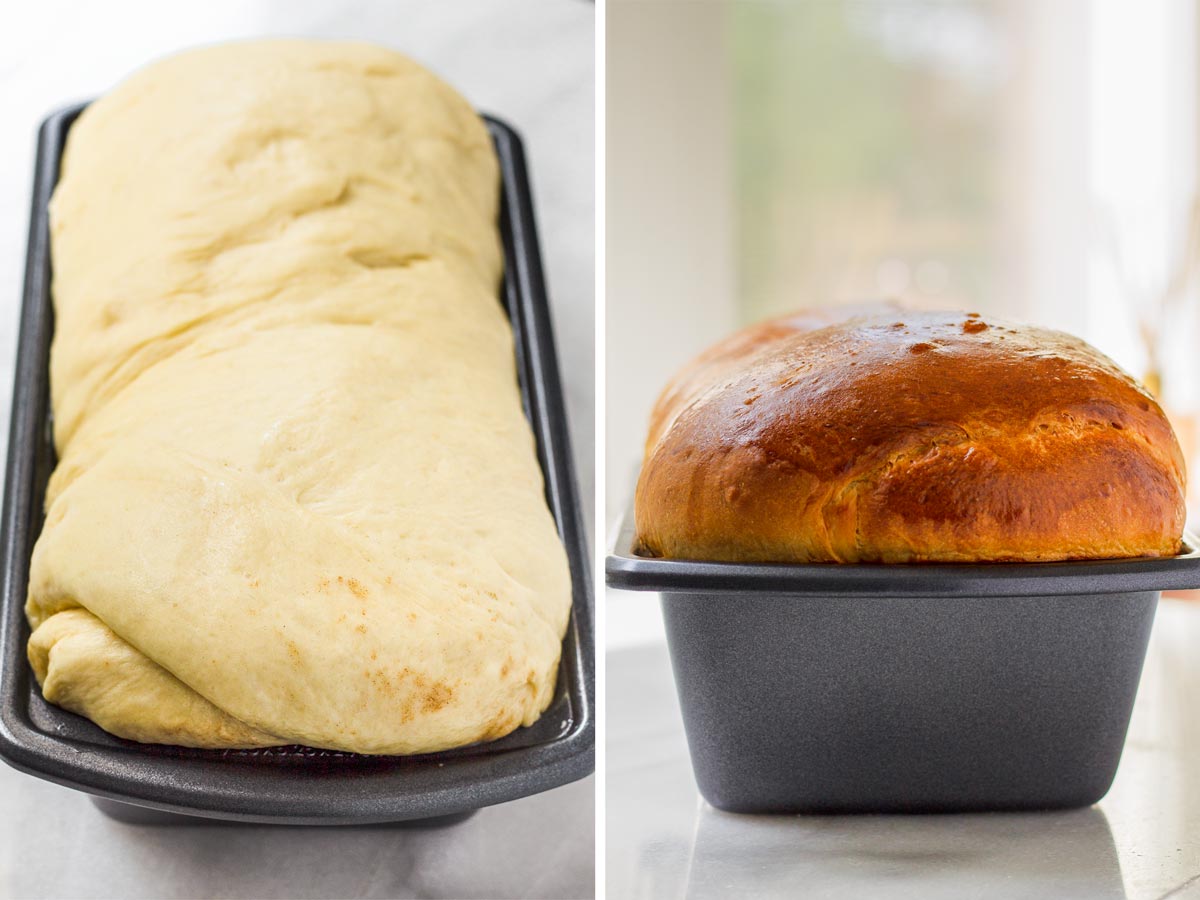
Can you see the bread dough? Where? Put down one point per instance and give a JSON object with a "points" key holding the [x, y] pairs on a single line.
{"points": [[297, 499]]}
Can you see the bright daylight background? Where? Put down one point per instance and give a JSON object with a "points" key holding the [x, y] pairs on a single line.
{"points": [[1024, 159]]}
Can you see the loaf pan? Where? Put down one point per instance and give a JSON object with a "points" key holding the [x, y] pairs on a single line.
{"points": [[294, 785], [905, 688]]}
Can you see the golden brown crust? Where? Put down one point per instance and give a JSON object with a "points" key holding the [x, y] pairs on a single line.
{"points": [[728, 355], [909, 437]]}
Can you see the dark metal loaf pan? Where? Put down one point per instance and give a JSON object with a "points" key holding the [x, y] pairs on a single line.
{"points": [[295, 784], [906, 688]]}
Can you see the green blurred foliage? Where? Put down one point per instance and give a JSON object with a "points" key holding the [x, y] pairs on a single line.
{"points": [[859, 139]]}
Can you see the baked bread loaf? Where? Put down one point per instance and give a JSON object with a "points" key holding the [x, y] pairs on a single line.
{"points": [[908, 437], [297, 499]]}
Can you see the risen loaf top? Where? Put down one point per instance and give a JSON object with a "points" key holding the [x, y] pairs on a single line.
{"points": [[297, 498], [903, 437]]}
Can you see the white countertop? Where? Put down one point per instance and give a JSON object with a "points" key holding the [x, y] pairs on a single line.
{"points": [[55, 843], [527, 61], [1142, 841]]}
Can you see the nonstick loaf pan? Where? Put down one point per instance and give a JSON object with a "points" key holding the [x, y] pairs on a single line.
{"points": [[296, 785], [905, 688]]}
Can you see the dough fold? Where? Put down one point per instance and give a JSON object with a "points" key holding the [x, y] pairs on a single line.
{"points": [[297, 498]]}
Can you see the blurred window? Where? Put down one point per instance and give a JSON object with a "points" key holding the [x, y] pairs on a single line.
{"points": [[870, 151]]}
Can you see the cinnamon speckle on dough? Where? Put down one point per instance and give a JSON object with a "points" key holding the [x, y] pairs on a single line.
{"points": [[438, 697], [381, 680], [974, 326], [500, 725]]}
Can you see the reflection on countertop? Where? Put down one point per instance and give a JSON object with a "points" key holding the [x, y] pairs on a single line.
{"points": [[1141, 841], [1063, 854]]}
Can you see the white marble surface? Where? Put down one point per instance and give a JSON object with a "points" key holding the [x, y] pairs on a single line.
{"points": [[528, 61], [55, 843], [1142, 841]]}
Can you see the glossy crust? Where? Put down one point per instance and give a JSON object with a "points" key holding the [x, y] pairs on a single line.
{"points": [[900, 437]]}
